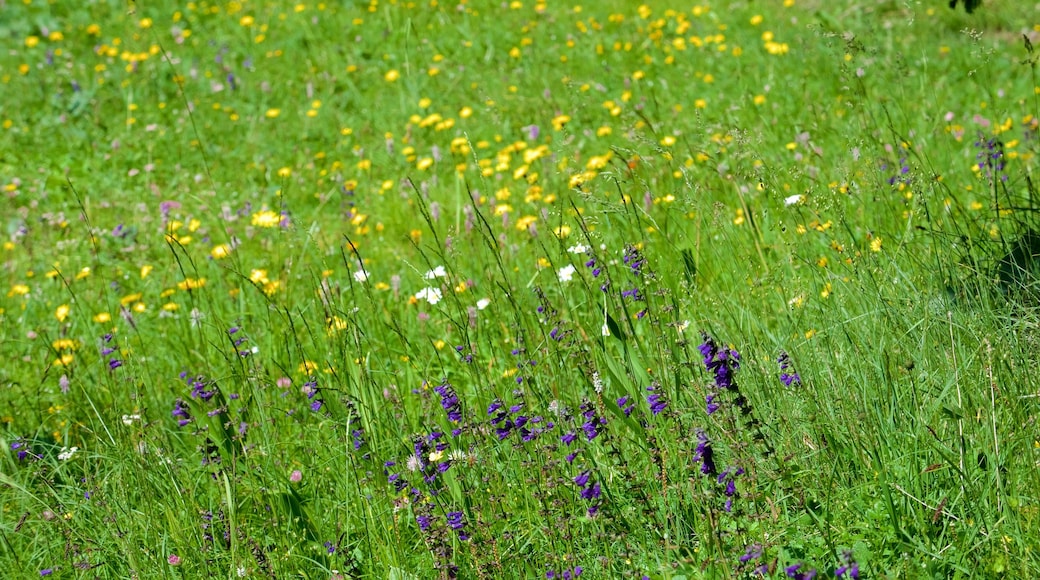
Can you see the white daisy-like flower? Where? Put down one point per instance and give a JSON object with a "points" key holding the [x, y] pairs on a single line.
{"points": [[483, 303], [578, 249], [438, 272], [67, 453], [566, 273], [361, 276], [791, 200], [431, 295]]}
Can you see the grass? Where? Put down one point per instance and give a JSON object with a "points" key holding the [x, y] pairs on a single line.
{"points": [[412, 290]]}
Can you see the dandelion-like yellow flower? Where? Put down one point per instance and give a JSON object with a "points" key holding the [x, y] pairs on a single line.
{"points": [[266, 218], [391, 76], [272, 113], [62, 312]]}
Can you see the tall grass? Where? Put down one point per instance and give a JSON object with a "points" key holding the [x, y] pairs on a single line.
{"points": [[519, 290]]}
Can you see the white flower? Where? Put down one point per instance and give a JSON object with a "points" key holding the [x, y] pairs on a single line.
{"points": [[578, 249], [483, 303], [361, 276], [413, 463], [436, 456], [67, 453], [793, 199], [431, 295], [566, 273], [605, 330], [597, 382], [128, 420], [438, 272]]}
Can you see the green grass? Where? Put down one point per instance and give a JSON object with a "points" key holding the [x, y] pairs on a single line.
{"points": [[226, 221]]}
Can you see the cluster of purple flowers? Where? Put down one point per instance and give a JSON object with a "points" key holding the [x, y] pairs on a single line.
{"points": [[723, 363], [200, 387], [656, 399], [310, 388], [635, 261], [991, 158], [593, 425], [751, 555], [729, 477], [466, 357], [457, 523], [788, 376], [450, 403], [704, 454], [114, 362], [394, 478], [181, 412], [238, 342], [21, 448], [795, 571], [904, 173], [425, 449], [569, 574], [590, 490], [849, 567], [626, 405]]}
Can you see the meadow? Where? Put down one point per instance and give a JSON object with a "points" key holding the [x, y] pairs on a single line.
{"points": [[520, 289]]}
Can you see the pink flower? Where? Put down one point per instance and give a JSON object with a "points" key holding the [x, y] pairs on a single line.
{"points": [[174, 560], [295, 476]]}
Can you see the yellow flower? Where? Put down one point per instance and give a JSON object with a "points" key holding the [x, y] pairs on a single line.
{"points": [[560, 121], [285, 172], [668, 141], [62, 312], [246, 21], [465, 112], [272, 113], [191, 283], [220, 251], [31, 41], [391, 75], [266, 219], [102, 317], [145, 23], [875, 245]]}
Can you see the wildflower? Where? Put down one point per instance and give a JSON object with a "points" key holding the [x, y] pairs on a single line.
{"points": [[67, 453], [181, 411], [622, 402], [430, 294], [849, 568], [792, 571], [266, 219], [566, 273], [438, 272], [449, 402], [753, 552], [593, 425], [704, 453], [634, 259], [46, 571], [787, 375], [483, 303], [456, 523], [174, 560], [728, 477], [296, 476], [791, 200], [656, 400]]}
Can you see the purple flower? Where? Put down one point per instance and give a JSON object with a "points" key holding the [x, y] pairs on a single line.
{"points": [[622, 401], [788, 376], [792, 571], [656, 401], [704, 453], [449, 402], [849, 568], [456, 523], [753, 552]]}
